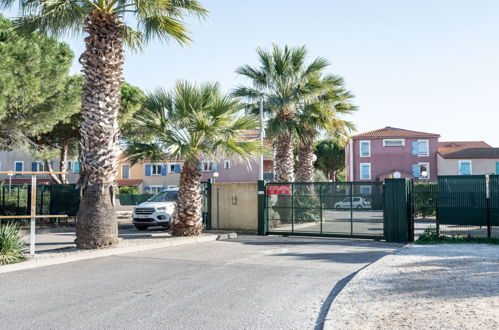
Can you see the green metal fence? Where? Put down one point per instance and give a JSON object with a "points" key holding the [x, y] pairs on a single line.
{"points": [[346, 209], [457, 206], [494, 201], [134, 199], [50, 199]]}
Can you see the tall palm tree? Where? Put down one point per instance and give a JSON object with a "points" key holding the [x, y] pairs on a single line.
{"points": [[322, 117], [104, 22], [283, 81], [187, 123]]}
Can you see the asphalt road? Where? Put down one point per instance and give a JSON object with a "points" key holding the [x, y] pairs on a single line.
{"points": [[249, 283], [365, 222]]}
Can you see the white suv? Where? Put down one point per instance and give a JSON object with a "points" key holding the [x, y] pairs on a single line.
{"points": [[157, 211], [357, 203]]}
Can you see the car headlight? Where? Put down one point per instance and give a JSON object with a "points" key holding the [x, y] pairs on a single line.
{"points": [[161, 208]]}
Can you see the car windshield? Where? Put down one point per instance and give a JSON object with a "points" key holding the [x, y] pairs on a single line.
{"points": [[165, 196]]}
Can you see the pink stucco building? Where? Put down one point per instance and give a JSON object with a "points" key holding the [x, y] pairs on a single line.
{"points": [[392, 153]]}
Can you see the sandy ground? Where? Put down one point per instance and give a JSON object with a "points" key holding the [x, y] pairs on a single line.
{"points": [[423, 287]]}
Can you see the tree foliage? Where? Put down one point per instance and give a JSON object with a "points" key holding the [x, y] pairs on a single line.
{"points": [[330, 158], [35, 89]]}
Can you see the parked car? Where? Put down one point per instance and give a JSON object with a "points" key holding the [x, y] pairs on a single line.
{"points": [[157, 211], [357, 203]]}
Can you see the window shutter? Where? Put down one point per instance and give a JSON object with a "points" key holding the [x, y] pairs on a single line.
{"points": [[416, 171], [177, 168], [163, 169], [76, 167], [34, 166], [201, 166], [497, 168], [51, 165], [465, 168], [215, 167], [148, 172], [415, 148]]}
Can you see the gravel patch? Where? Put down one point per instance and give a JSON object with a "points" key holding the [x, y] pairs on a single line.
{"points": [[447, 286], [73, 251]]}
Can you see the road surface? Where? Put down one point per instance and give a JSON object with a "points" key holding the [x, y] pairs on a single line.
{"points": [[249, 283]]}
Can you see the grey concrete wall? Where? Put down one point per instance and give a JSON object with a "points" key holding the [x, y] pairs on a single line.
{"points": [[478, 166], [236, 207]]}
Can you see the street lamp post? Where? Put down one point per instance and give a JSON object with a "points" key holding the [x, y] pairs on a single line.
{"points": [[260, 176]]}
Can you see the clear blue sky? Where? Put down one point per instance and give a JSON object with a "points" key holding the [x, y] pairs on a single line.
{"points": [[423, 65]]}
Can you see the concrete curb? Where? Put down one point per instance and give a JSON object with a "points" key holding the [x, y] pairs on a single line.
{"points": [[92, 254]]}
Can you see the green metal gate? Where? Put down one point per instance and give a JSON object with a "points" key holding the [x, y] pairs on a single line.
{"points": [[337, 209], [462, 200]]}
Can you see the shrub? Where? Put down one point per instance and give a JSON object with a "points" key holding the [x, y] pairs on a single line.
{"points": [[430, 236], [129, 190], [11, 244]]}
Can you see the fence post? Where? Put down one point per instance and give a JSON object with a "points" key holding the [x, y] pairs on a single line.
{"points": [[396, 215], [262, 197], [208, 208]]}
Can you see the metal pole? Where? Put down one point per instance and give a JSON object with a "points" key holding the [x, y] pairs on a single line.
{"points": [[33, 213], [260, 176], [218, 208]]}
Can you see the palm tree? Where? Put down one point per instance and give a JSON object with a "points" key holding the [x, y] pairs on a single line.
{"points": [[104, 23], [283, 81], [187, 123], [322, 117]]}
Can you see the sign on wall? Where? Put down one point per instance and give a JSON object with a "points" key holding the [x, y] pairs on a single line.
{"points": [[279, 190]]}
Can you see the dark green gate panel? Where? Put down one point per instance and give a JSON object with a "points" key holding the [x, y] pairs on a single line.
{"points": [[134, 199], [397, 212], [462, 200], [64, 199], [494, 200]]}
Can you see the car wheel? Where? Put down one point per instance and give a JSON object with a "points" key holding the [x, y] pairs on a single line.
{"points": [[167, 226], [359, 207], [141, 227], [338, 207]]}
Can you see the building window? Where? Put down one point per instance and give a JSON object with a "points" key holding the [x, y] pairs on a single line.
{"points": [[174, 167], [76, 166], [393, 142], [156, 169], [365, 148], [19, 166], [424, 170], [69, 166], [209, 166], [226, 164], [154, 189], [125, 171], [38, 166], [365, 171], [421, 148], [171, 187], [465, 167]]}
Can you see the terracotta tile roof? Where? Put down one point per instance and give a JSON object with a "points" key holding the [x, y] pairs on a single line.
{"points": [[392, 132], [471, 153], [451, 147], [129, 182]]}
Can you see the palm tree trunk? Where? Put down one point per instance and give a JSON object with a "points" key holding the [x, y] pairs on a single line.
{"points": [[102, 63], [305, 163], [187, 219], [284, 162], [64, 161]]}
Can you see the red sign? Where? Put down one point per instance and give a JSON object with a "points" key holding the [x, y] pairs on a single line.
{"points": [[279, 190]]}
